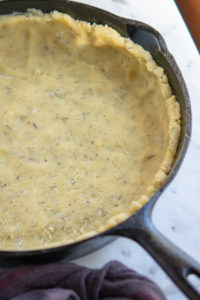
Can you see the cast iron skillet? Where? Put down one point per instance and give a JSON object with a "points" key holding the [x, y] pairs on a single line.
{"points": [[177, 264]]}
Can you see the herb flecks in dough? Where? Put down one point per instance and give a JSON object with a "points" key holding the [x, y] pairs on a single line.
{"points": [[88, 129]]}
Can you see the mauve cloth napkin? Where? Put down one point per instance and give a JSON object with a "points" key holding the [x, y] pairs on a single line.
{"points": [[68, 281]]}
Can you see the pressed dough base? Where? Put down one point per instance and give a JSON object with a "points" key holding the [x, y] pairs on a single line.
{"points": [[88, 129]]}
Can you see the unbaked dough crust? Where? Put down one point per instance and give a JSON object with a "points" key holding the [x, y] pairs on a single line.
{"points": [[89, 129]]}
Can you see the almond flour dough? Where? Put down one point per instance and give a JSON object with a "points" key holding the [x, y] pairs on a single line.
{"points": [[88, 129]]}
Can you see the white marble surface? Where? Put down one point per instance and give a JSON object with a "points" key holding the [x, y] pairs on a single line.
{"points": [[177, 213]]}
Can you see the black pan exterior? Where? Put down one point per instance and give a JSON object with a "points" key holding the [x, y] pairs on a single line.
{"points": [[152, 41]]}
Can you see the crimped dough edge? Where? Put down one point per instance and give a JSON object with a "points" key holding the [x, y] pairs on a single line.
{"points": [[104, 35]]}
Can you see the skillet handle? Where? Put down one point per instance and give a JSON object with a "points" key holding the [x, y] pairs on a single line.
{"points": [[175, 262]]}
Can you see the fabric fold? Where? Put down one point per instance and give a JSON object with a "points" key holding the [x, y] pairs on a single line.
{"points": [[68, 281]]}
